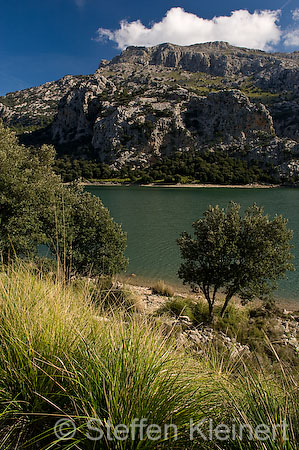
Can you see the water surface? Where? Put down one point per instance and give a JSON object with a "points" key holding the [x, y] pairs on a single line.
{"points": [[154, 217]]}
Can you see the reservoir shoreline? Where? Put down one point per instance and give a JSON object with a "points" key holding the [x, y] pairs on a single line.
{"points": [[154, 219], [179, 289], [188, 185]]}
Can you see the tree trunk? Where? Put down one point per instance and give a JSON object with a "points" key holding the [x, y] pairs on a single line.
{"points": [[227, 299], [210, 311], [206, 292]]}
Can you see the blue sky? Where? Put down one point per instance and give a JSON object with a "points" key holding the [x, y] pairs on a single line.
{"points": [[43, 40]]}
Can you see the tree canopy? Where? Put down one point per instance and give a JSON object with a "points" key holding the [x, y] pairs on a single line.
{"points": [[36, 208], [240, 255], [179, 167]]}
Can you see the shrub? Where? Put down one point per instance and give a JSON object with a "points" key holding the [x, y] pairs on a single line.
{"points": [[179, 306], [111, 296], [36, 208], [82, 233], [196, 310]]}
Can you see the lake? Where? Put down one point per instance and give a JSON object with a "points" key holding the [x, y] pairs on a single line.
{"points": [[154, 217]]}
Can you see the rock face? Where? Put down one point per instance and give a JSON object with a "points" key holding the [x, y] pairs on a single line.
{"points": [[30, 107], [149, 102], [219, 59], [231, 117]]}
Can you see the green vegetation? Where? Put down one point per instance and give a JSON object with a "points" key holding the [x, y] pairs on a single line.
{"points": [[182, 167], [200, 82], [243, 256], [37, 209], [40, 124], [250, 89], [207, 167], [123, 97], [197, 311], [87, 353], [76, 169], [9, 99], [247, 325], [63, 357]]}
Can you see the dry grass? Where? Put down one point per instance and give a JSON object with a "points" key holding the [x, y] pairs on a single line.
{"points": [[161, 288]]}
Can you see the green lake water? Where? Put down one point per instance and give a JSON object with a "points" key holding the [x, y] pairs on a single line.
{"points": [[154, 217]]}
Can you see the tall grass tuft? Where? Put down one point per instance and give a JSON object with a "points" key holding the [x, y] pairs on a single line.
{"points": [[161, 288], [40, 323], [257, 398], [64, 356], [60, 355]]}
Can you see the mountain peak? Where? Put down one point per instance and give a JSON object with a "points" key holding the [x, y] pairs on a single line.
{"points": [[215, 58], [154, 101]]}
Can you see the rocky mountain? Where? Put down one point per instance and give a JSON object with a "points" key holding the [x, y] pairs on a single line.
{"points": [[150, 102]]}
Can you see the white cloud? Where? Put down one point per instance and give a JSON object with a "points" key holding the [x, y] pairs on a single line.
{"points": [[258, 30], [291, 35], [295, 14], [291, 38]]}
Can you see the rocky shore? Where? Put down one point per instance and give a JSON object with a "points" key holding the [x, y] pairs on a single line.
{"points": [[284, 323], [188, 185]]}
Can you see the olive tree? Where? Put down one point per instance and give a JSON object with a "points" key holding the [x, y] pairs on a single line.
{"points": [[36, 208], [26, 180], [237, 254], [82, 233]]}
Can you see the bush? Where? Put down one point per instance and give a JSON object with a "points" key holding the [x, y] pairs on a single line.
{"points": [[179, 306], [196, 310], [111, 296], [81, 231], [36, 208]]}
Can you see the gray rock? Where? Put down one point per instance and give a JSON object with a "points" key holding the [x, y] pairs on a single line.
{"points": [[150, 102]]}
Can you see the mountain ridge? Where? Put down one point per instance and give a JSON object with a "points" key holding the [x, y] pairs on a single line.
{"points": [[153, 101]]}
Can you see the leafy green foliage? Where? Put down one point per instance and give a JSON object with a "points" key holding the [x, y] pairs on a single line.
{"points": [[82, 232], [207, 167], [74, 169], [26, 179], [243, 256], [36, 208]]}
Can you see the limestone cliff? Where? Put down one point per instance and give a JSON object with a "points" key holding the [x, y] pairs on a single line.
{"points": [[149, 102]]}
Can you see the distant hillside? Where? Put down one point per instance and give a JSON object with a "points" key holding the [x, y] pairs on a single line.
{"points": [[151, 102]]}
